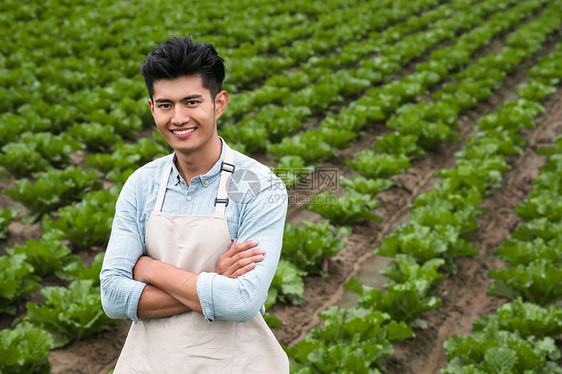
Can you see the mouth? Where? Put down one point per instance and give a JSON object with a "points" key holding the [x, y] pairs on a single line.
{"points": [[184, 132]]}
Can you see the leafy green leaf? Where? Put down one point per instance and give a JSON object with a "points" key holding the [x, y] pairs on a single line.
{"points": [[75, 268], [530, 319], [374, 166], [125, 157], [544, 203], [534, 90], [350, 207], [272, 321], [291, 169], [308, 147], [16, 279], [7, 215], [398, 144], [25, 349], [523, 252], [308, 244], [37, 151], [69, 313], [425, 243], [403, 302], [364, 185], [500, 360], [287, 285], [86, 223], [490, 349], [539, 281], [405, 268], [54, 188], [44, 255], [95, 136]]}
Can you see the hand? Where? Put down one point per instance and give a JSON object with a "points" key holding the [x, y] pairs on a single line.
{"points": [[142, 268], [239, 259]]}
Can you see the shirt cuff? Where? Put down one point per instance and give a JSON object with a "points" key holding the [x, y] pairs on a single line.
{"points": [[133, 304], [205, 294]]}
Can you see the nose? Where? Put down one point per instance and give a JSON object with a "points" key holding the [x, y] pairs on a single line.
{"points": [[180, 115]]}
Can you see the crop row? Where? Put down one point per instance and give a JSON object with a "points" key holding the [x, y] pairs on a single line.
{"points": [[357, 340], [74, 223], [269, 129], [391, 154], [36, 150], [379, 103], [520, 336], [81, 224], [276, 89], [84, 224], [34, 153], [103, 87]]}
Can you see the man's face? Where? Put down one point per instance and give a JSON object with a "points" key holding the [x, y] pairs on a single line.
{"points": [[185, 113]]}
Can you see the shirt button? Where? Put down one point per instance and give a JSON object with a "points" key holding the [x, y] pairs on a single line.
{"points": [[206, 182], [189, 198]]}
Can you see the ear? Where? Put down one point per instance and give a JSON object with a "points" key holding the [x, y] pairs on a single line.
{"points": [[221, 100], [151, 106]]}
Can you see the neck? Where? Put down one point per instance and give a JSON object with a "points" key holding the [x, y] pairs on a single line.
{"points": [[193, 164]]}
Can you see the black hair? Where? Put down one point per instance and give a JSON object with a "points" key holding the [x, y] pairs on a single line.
{"points": [[177, 57]]}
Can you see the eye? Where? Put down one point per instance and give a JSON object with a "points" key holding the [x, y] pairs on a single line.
{"points": [[192, 102], [164, 106]]}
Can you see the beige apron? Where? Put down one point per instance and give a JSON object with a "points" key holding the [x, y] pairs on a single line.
{"points": [[186, 342]]}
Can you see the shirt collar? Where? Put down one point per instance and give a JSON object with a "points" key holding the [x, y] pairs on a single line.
{"points": [[210, 175]]}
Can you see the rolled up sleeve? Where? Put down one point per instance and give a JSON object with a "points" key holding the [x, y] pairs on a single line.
{"points": [[120, 293], [262, 219]]}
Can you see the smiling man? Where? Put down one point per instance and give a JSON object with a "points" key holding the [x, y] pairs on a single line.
{"points": [[185, 112], [188, 262]]}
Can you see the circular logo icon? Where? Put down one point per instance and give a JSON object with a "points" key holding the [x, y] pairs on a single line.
{"points": [[244, 185]]}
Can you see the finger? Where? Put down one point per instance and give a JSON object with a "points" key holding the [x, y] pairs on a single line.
{"points": [[246, 261], [232, 262], [245, 245], [243, 270], [227, 262], [242, 266], [247, 254], [233, 245]]}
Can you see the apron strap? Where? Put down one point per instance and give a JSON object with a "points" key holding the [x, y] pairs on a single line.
{"points": [[227, 168], [221, 201], [162, 190]]}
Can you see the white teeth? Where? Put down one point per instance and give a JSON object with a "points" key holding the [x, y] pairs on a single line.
{"points": [[183, 132]]}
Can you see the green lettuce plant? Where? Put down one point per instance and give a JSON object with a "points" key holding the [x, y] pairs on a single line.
{"points": [[69, 313], [25, 350]]}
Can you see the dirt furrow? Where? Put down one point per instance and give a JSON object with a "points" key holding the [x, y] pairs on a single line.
{"points": [[322, 292], [464, 294]]}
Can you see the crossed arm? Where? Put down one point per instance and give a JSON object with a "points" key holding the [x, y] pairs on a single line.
{"points": [[134, 285], [171, 290]]}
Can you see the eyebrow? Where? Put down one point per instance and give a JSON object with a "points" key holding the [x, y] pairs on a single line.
{"points": [[190, 97]]}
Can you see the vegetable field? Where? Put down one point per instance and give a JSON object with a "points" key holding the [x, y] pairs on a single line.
{"points": [[419, 140]]}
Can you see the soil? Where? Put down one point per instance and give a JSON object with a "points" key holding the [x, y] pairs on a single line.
{"points": [[463, 294]]}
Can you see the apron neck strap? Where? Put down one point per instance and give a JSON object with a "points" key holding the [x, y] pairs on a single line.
{"points": [[162, 190], [221, 201], [227, 168]]}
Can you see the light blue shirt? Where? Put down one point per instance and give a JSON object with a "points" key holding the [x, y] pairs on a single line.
{"points": [[256, 211]]}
